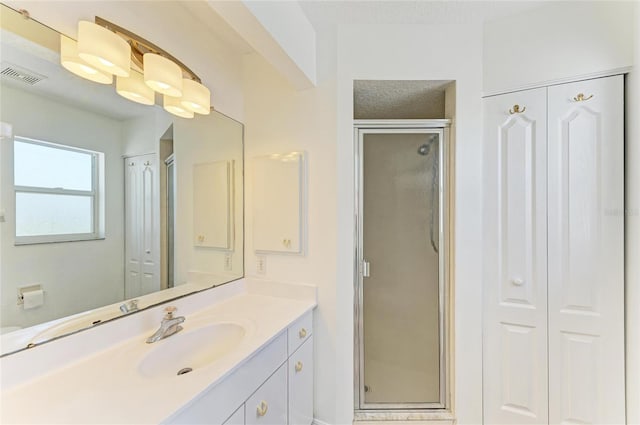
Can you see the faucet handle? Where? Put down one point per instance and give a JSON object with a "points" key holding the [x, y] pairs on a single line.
{"points": [[170, 309]]}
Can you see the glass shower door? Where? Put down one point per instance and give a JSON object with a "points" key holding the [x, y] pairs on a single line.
{"points": [[401, 279]]}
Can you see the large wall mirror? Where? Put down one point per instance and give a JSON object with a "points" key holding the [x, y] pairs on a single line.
{"points": [[106, 206]]}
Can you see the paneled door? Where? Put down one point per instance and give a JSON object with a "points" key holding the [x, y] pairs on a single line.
{"points": [[586, 252], [142, 225], [515, 296]]}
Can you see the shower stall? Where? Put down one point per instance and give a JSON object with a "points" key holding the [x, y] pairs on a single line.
{"points": [[401, 306]]}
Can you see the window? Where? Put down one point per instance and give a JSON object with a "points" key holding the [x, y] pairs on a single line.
{"points": [[56, 190]]}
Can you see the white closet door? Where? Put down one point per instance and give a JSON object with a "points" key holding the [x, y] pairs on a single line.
{"points": [[515, 296], [142, 225], [586, 256]]}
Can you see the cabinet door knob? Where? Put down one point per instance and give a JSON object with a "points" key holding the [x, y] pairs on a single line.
{"points": [[262, 408], [302, 333], [298, 366], [517, 281]]}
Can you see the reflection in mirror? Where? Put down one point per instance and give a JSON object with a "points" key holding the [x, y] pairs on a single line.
{"points": [[106, 206]]}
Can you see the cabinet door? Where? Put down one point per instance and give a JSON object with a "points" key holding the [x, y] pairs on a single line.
{"points": [[586, 252], [300, 366], [212, 212], [237, 418], [278, 199], [515, 292], [268, 405]]}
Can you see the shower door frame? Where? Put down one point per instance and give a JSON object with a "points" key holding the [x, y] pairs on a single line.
{"points": [[436, 126]]}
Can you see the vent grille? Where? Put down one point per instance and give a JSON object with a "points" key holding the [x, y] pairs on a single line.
{"points": [[22, 75]]}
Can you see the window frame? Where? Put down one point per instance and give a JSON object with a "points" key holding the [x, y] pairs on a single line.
{"points": [[93, 194]]}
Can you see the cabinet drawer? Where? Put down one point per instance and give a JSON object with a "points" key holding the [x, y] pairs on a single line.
{"points": [[237, 418], [299, 331], [268, 405], [300, 370]]}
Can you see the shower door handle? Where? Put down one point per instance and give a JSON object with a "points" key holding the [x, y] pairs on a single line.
{"points": [[365, 269]]}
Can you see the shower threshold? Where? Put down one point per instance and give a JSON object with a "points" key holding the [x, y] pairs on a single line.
{"points": [[415, 416]]}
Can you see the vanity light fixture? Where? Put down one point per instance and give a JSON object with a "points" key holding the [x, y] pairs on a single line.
{"points": [[174, 105], [70, 60], [134, 88], [195, 97], [104, 49], [162, 75]]}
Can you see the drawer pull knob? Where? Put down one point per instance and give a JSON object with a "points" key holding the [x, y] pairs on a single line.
{"points": [[298, 366], [262, 408], [302, 333]]}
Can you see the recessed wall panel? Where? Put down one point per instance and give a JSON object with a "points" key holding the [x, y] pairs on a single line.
{"points": [[517, 207], [521, 369]]}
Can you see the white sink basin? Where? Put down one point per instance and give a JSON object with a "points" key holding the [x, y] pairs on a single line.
{"points": [[191, 349], [75, 323]]}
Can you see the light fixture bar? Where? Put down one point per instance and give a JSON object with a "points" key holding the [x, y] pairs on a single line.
{"points": [[140, 46]]}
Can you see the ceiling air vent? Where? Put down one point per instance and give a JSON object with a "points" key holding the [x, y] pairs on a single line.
{"points": [[20, 74]]}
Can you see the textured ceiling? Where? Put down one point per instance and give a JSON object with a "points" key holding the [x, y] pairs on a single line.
{"points": [[393, 99], [323, 14]]}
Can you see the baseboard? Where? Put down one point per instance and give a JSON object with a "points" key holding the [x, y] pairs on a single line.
{"points": [[319, 422]]}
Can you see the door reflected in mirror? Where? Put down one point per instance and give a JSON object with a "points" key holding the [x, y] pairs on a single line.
{"points": [[102, 199]]}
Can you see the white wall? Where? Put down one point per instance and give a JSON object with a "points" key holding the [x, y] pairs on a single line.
{"points": [[557, 40], [280, 119], [632, 153], [141, 135], [76, 276]]}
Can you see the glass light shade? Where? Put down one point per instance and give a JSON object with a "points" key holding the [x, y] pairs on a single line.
{"points": [[70, 60], [103, 49], [162, 75], [195, 97], [174, 106], [134, 89]]}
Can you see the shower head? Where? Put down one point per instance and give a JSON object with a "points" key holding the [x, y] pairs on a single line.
{"points": [[424, 149]]}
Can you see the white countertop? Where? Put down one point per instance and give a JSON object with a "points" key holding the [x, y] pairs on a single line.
{"points": [[106, 387]]}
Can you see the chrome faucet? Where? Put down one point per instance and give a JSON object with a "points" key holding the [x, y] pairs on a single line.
{"points": [[169, 326], [129, 307]]}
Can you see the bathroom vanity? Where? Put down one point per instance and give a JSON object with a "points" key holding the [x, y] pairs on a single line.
{"points": [[244, 356]]}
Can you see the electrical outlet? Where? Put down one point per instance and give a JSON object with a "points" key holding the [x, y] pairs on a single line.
{"points": [[261, 264], [228, 265]]}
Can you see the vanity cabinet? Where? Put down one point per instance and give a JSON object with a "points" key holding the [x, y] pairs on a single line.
{"points": [[554, 255], [268, 405], [300, 380], [274, 387], [237, 418]]}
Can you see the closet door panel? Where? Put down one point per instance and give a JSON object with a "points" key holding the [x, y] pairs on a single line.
{"points": [[515, 296], [586, 256]]}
